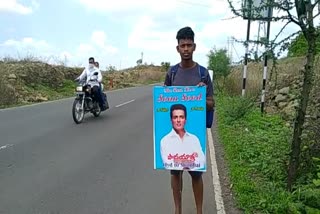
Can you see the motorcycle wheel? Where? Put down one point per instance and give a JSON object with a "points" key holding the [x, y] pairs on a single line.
{"points": [[77, 111], [97, 113]]}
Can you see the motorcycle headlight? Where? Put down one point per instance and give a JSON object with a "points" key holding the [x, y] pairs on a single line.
{"points": [[79, 88]]}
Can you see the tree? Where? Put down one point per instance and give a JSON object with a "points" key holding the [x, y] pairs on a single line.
{"points": [[165, 66], [299, 47], [301, 13], [219, 63], [111, 69]]}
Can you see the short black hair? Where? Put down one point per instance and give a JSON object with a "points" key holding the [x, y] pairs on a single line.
{"points": [[178, 107], [91, 59], [185, 33]]}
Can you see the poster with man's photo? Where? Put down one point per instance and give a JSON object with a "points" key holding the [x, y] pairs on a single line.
{"points": [[179, 128]]}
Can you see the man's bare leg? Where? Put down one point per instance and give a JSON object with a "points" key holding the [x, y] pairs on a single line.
{"points": [[197, 186], [176, 185]]}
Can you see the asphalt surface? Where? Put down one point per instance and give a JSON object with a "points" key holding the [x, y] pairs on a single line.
{"points": [[50, 165]]}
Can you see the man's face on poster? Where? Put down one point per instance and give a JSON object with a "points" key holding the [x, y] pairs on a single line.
{"points": [[178, 119]]}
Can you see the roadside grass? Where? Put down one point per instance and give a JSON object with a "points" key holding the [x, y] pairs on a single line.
{"points": [[257, 153], [66, 89]]}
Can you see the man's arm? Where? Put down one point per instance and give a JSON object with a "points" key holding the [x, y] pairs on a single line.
{"points": [[210, 103], [82, 75], [167, 81], [209, 97], [99, 75]]}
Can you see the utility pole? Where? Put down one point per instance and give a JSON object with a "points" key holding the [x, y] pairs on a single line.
{"points": [[244, 78], [247, 15], [141, 57], [230, 48], [258, 38], [267, 49]]}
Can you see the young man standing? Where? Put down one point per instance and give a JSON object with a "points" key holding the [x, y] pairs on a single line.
{"points": [[188, 75]]}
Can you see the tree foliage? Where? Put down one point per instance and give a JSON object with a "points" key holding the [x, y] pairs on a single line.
{"points": [[299, 46], [219, 63], [301, 13]]}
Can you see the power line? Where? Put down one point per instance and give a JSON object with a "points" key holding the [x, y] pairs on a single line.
{"points": [[230, 44], [235, 51], [232, 48]]}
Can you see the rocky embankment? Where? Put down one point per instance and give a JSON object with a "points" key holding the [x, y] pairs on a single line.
{"points": [[29, 82], [284, 95]]}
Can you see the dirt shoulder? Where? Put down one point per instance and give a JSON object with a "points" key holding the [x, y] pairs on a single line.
{"points": [[223, 170]]}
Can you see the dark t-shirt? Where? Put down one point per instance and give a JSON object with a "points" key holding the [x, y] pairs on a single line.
{"points": [[189, 77]]}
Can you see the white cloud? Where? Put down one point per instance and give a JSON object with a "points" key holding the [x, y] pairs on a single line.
{"points": [[156, 43], [26, 43], [218, 8], [146, 36], [41, 49], [154, 25], [152, 29], [85, 48], [149, 35], [35, 4], [98, 45], [99, 38], [30, 47], [235, 27], [129, 5], [15, 7]]}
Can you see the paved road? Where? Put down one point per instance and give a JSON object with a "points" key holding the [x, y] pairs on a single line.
{"points": [[48, 164]]}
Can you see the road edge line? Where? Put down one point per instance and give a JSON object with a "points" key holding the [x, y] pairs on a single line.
{"points": [[215, 175]]}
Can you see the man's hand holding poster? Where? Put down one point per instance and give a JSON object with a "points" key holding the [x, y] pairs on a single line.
{"points": [[179, 126]]}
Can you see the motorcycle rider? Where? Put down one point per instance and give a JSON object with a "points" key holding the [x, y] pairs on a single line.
{"points": [[95, 86], [105, 100], [96, 63]]}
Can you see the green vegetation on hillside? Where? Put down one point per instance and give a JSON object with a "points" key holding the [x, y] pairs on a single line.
{"points": [[299, 47], [257, 146], [30, 81], [257, 152]]}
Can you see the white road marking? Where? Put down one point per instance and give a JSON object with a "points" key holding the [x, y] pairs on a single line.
{"points": [[215, 175], [5, 146], [122, 104], [68, 98]]}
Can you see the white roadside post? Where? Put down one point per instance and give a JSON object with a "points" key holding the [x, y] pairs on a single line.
{"points": [[211, 74]]}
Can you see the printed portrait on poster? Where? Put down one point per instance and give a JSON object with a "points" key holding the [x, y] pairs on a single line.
{"points": [[179, 128]]}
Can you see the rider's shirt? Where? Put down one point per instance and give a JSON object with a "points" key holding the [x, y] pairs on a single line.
{"points": [[88, 73]]}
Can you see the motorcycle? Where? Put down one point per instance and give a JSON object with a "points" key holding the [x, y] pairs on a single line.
{"points": [[85, 101]]}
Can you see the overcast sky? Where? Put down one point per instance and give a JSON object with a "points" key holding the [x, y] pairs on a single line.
{"points": [[117, 32]]}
